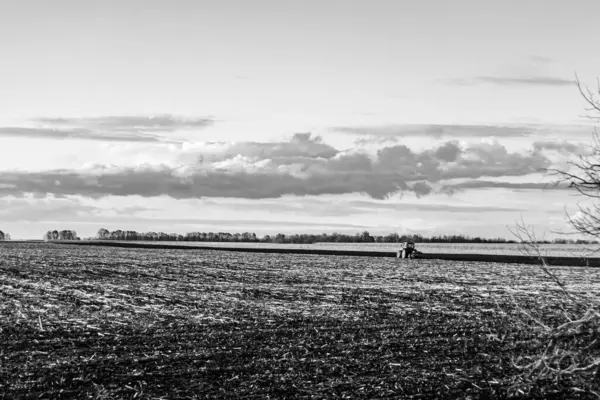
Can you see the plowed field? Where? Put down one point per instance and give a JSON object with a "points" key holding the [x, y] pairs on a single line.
{"points": [[94, 322]]}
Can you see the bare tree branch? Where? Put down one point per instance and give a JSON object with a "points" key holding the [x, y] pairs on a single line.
{"points": [[583, 174]]}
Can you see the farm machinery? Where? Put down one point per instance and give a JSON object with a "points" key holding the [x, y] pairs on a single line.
{"points": [[408, 250]]}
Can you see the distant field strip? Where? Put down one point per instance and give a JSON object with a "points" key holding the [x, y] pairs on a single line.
{"points": [[358, 250], [556, 250]]}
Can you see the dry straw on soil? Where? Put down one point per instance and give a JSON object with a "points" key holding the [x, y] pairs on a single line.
{"points": [[89, 321], [568, 345]]}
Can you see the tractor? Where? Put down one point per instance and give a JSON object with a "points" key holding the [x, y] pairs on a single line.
{"points": [[407, 250]]}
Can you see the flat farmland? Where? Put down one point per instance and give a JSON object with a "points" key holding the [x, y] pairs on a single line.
{"points": [[557, 250], [97, 322]]}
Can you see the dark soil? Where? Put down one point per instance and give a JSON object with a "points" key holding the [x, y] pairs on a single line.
{"points": [[99, 322]]}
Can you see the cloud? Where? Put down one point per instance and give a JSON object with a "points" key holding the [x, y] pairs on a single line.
{"points": [[371, 205], [76, 133], [302, 166], [421, 188], [374, 140], [450, 151], [561, 147], [131, 123], [484, 184], [151, 182], [493, 160], [301, 145], [146, 129], [437, 131], [511, 81]]}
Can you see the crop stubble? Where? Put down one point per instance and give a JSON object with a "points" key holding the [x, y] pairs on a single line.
{"points": [[93, 321]]}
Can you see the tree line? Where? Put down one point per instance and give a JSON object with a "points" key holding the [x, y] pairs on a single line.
{"points": [[280, 238], [61, 235]]}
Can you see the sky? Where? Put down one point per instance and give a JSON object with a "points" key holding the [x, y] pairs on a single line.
{"points": [[429, 117]]}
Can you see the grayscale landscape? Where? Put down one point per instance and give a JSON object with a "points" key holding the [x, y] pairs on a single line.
{"points": [[299, 199]]}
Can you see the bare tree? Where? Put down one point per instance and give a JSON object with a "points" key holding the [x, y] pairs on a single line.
{"points": [[584, 174], [568, 346]]}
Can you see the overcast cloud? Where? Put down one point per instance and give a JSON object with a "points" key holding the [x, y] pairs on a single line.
{"points": [[303, 165]]}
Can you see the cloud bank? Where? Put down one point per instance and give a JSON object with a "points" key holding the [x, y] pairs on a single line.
{"points": [[301, 166]]}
